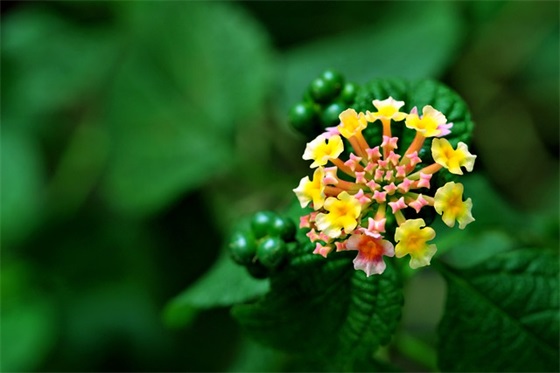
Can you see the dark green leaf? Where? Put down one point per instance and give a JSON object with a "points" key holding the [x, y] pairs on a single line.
{"points": [[502, 315], [416, 94], [325, 310], [413, 42], [225, 284]]}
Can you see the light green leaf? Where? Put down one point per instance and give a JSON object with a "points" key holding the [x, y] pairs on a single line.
{"points": [[414, 42], [225, 284], [20, 185], [325, 311], [502, 315], [50, 63], [177, 97]]}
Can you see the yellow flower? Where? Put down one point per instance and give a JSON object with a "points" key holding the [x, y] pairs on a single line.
{"points": [[387, 109], [321, 150], [431, 123], [444, 155], [351, 123], [312, 190], [448, 201], [412, 240], [343, 214]]}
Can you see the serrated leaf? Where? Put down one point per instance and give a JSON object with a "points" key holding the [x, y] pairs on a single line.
{"points": [[325, 310], [416, 94], [502, 315], [225, 284]]}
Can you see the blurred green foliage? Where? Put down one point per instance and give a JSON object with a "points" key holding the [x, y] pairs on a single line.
{"points": [[134, 134]]}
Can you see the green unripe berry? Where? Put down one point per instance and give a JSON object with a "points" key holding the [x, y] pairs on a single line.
{"points": [[330, 115], [262, 223], [322, 91], [283, 228], [257, 270], [242, 247], [271, 252], [348, 93], [333, 79], [303, 117]]}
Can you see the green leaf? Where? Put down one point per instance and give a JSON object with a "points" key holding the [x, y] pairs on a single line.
{"points": [[502, 315], [51, 63], [21, 186], [225, 284], [325, 310], [29, 319], [413, 42], [177, 97]]}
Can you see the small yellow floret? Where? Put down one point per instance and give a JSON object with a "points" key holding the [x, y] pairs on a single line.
{"points": [[448, 201], [351, 123], [412, 240], [430, 124], [387, 109], [444, 154], [321, 150], [312, 190], [343, 214]]}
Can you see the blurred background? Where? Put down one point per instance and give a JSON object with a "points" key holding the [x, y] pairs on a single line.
{"points": [[134, 134]]}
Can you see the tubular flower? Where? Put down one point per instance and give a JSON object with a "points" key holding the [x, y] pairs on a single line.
{"points": [[343, 214], [445, 156], [323, 149], [412, 240], [432, 123], [387, 109], [312, 190], [353, 197], [449, 202], [351, 123], [370, 253]]}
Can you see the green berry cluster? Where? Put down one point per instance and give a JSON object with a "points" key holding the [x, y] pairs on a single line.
{"points": [[327, 96], [264, 246]]}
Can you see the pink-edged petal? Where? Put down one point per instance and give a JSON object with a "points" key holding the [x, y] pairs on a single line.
{"points": [[362, 198], [389, 175], [405, 185], [379, 197], [304, 222], [360, 178], [373, 154], [397, 205], [373, 185], [390, 189], [322, 250], [424, 181], [418, 203]]}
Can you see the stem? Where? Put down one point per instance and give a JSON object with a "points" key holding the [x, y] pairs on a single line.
{"points": [[357, 147], [386, 126], [362, 143], [399, 217], [431, 169], [416, 144], [417, 350], [332, 191], [342, 167]]}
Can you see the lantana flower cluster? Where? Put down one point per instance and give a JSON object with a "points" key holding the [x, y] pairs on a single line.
{"points": [[352, 198]]}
